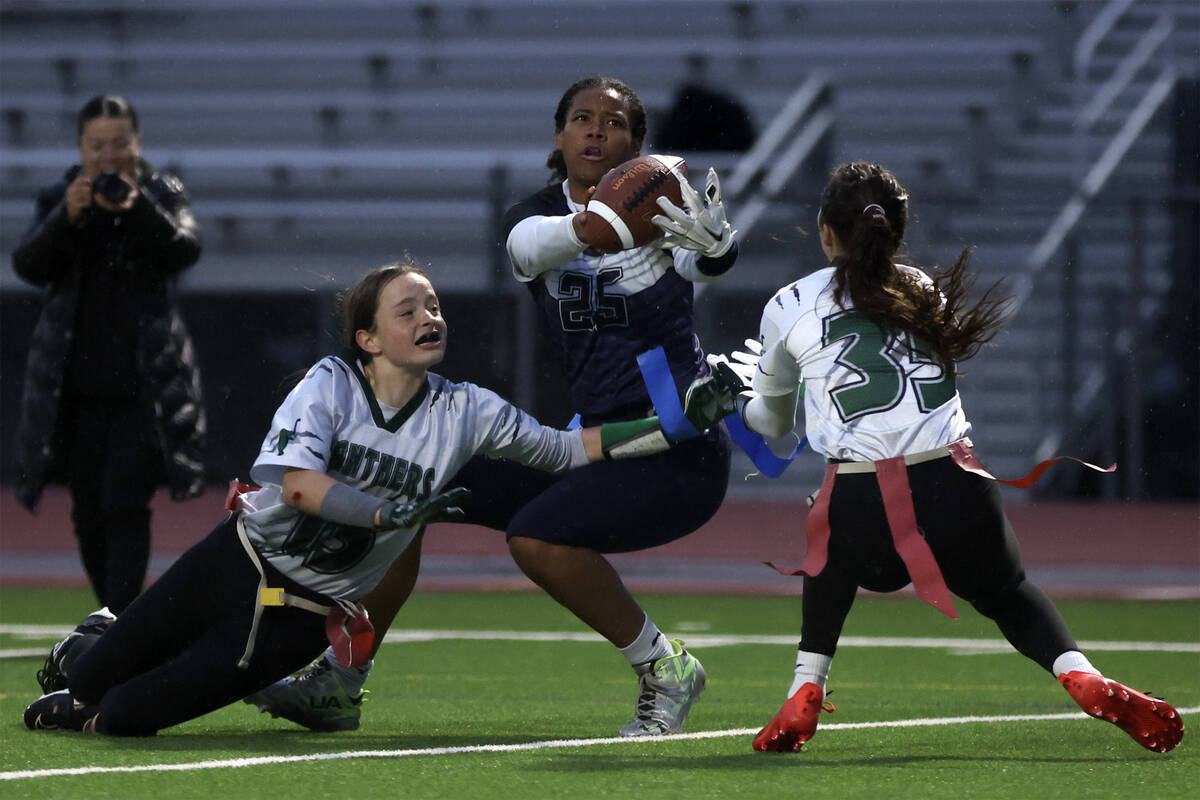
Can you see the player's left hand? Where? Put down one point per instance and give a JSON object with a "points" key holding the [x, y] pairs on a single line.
{"points": [[712, 398], [436, 508], [701, 225]]}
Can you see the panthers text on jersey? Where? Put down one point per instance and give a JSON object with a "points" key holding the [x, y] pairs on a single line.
{"points": [[332, 422]]}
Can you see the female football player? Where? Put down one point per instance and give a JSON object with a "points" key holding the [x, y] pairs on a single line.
{"points": [[600, 311], [356, 462], [872, 347]]}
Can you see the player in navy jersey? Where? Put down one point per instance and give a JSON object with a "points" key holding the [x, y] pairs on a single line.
{"points": [[872, 346], [600, 311], [355, 463]]}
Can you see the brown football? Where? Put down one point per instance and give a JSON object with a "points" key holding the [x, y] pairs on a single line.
{"points": [[619, 212]]}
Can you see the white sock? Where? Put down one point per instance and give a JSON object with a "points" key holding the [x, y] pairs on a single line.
{"points": [[810, 668], [649, 646], [1073, 661], [352, 677]]}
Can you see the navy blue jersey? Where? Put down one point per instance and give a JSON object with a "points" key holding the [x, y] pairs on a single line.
{"points": [[602, 310]]}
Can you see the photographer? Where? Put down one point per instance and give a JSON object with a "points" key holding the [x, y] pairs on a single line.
{"points": [[111, 404]]}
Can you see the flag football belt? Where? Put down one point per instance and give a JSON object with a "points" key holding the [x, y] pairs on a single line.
{"points": [[347, 625], [268, 596], [892, 476], [858, 467]]}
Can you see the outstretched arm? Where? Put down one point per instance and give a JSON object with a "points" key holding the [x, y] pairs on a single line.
{"points": [[773, 415], [323, 496]]}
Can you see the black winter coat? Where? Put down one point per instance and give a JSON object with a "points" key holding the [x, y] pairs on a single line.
{"points": [[154, 241]]}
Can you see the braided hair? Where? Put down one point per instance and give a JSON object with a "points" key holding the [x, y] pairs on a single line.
{"points": [[867, 209]]}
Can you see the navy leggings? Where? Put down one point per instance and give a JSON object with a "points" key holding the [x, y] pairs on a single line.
{"points": [[172, 655], [608, 506], [961, 516]]}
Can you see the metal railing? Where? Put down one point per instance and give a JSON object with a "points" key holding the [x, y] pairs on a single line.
{"points": [[1079, 398], [1075, 399], [787, 142]]}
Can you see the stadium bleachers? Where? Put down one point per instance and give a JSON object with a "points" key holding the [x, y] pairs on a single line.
{"points": [[318, 139]]}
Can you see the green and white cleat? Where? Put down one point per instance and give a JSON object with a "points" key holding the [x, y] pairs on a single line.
{"points": [[668, 688], [318, 698]]}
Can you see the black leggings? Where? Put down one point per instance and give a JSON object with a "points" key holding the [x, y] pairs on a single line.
{"points": [[608, 506], [961, 516], [172, 655]]}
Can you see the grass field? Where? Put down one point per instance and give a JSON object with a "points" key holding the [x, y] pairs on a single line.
{"points": [[474, 702]]}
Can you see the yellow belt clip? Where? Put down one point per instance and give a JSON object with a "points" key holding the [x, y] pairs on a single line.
{"points": [[271, 596]]}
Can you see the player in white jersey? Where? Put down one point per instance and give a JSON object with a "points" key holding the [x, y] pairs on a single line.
{"points": [[351, 470], [872, 346], [862, 402]]}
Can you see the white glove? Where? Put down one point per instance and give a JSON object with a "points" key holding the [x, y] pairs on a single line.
{"points": [[702, 226], [745, 364]]}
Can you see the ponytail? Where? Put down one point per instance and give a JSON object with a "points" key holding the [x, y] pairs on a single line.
{"points": [[867, 208]]}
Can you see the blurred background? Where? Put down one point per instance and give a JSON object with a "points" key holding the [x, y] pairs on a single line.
{"points": [[319, 139]]}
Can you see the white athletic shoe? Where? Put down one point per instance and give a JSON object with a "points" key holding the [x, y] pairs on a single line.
{"points": [[668, 688]]}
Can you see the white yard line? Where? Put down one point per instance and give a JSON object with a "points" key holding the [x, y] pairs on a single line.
{"points": [[553, 744], [696, 640]]}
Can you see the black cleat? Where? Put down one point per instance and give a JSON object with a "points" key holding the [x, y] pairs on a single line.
{"points": [[52, 677], [59, 711]]}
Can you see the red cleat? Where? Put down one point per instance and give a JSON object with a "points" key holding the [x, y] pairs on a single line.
{"points": [[1153, 723], [795, 723]]}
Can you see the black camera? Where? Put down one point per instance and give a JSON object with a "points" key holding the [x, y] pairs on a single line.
{"points": [[111, 186]]}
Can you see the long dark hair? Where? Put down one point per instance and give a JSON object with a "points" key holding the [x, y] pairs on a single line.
{"points": [[868, 210], [358, 304], [637, 115], [112, 106]]}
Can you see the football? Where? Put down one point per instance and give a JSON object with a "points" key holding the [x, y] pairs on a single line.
{"points": [[620, 210]]}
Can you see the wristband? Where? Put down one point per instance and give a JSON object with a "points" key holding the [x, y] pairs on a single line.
{"points": [[349, 506], [639, 437]]}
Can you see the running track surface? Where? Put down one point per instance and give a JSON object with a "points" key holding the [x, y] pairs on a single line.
{"points": [[1094, 549]]}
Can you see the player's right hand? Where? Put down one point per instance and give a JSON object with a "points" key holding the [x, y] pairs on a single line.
{"points": [[745, 363], [436, 508]]}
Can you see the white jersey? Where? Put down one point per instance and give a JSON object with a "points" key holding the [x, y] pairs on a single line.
{"points": [[332, 422], [865, 398]]}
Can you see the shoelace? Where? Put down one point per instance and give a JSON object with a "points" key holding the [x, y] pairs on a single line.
{"points": [[645, 706], [322, 668], [316, 673]]}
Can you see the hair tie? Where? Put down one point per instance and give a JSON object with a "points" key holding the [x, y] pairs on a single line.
{"points": [[867, 210]]}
